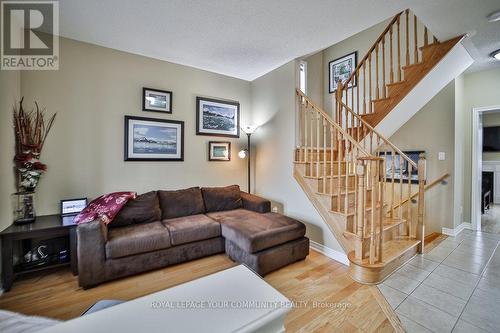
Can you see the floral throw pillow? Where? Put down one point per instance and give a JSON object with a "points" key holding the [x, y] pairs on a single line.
{"points": [[106, 207]]}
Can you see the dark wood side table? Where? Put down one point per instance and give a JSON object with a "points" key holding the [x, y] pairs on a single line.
{"points": [[49, 226]]}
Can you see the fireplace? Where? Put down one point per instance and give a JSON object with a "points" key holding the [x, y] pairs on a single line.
{"points": [[487, 190]]}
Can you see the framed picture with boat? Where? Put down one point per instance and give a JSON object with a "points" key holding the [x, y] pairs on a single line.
{"points": [[217, 117], [150, 139]]}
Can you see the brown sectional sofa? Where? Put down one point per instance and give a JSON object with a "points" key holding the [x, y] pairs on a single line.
{"points": [[162, 228]]}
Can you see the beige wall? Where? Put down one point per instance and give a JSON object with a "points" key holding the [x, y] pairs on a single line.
{"points": [[432, 130], [491, 119], [458, 182], [274, 110], [10, 93], [481, 90], [91, 92], [315, 73]]}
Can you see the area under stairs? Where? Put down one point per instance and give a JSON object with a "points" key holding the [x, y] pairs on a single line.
{"points": [[373, 204]]}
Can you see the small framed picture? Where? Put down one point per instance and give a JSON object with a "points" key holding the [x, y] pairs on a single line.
{"points": [[217, 117], [150, 139], [72, 206], [219, 151], [156, 100], [341, 69]]}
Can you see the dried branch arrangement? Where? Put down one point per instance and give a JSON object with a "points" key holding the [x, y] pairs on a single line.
{"points": [[31, 130]]}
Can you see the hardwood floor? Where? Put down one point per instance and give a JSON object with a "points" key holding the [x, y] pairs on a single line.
{"points": [[335, 302]]}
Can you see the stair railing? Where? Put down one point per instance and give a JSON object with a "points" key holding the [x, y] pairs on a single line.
{"points": [[345, 171], [397, 47], [395, 165]]}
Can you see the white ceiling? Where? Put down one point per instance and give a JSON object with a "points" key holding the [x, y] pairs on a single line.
{"points": [[248, 38]]}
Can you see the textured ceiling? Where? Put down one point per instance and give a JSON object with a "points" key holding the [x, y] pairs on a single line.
{"points": [[248, 38]]}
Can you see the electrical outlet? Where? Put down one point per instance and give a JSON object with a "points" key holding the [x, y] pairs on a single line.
{"points": [[441, 156]]}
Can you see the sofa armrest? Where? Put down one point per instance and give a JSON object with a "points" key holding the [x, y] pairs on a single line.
{"points": [[91, 240], [255, 203]]}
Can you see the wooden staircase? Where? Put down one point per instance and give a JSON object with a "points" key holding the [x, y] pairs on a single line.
{"points": [[351, 173]]}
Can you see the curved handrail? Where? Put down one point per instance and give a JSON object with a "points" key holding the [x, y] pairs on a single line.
{"points": [[428, 186], [386, 141], [333, 123]]}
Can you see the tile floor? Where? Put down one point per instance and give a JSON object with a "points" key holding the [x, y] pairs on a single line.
{"points": [[453, 288]]}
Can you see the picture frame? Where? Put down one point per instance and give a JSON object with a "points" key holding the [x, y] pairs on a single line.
{"points": [[156, 100], [70, 207], [219, 151], [413, 155], [215, 117], [152, 139], [342, 68]]}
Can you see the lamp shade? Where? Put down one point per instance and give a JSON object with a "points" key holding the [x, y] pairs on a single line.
{"points": [[249, 129]]}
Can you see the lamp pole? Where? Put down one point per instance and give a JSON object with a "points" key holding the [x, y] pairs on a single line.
{"points": [[249, 157]]}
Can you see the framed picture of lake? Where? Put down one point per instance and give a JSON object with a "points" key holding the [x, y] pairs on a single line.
{"points": [[156, 100], [150, 139], [341, 69], [397, 168], [219, 151], [217, 117]]}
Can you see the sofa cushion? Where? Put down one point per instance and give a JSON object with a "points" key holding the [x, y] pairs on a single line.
{"points": [[135, 239], [254, 232], [192, 228], [181, 203], [144, 208], [222, 198]]}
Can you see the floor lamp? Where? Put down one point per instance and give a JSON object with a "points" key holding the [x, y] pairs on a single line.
{"points": [[249, 130]]}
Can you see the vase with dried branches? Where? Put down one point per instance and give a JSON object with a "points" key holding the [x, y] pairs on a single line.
{"points": [[31, 130]]}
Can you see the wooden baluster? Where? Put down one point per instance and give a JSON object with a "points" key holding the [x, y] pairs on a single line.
{"points": [[360, 217], [323, 120], [426, 37], [408, 203], [373, 174], [384, 88], [400, 186], [339, 169], [393, 167], [318, 154], [381, 180], [415, 37], [391, 73], [331, 158], [311, 142], [407, 37], [304, 109], [399, 48], [421, 189], [377, 91], [370, 83], [358, 108], [364, 88]]}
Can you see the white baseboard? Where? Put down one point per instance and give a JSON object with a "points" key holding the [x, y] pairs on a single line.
{"points": [[330, 253], [457, 230]]}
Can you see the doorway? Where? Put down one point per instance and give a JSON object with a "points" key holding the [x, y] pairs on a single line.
{"points": [[485, 201]]}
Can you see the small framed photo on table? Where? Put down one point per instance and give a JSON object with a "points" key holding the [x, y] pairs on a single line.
{"points": [[71, 207], [219, 151], [156, 100]]}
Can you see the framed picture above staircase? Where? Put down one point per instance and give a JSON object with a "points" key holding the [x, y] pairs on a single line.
{"points": [[397, 168], [341, 69]]}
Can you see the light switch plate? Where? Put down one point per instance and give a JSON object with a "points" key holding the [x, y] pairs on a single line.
{"points": [[441, 156]]}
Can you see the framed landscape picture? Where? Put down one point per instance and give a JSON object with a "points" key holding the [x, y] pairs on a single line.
{"points": [[150, 139], [156, 100], [341, 69], [217, 117], [401, 167], [219, 151]]}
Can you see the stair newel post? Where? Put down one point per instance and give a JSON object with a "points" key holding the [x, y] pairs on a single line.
{"points": [[393, 167], [304, 112], [360, 217], [373, 213], [421, 188], [407, 25], [323, 120], [346, 184], [338, 100], [381, 182], [340, 157], [408, 203]]}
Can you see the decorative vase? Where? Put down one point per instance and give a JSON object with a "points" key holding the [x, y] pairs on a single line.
{"points": [[24, 210]]}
